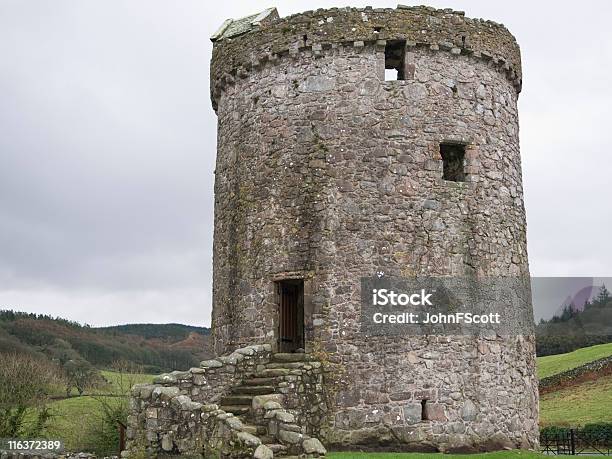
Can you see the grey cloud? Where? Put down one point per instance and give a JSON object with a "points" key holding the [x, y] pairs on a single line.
{"points": [[107, 147]]}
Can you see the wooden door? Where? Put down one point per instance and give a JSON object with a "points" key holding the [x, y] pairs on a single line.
{"points": [[291, 315]]}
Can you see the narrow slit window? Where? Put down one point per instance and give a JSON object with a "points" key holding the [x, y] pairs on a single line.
{"points": [[453, 162], [395, 54], [424, 410]]}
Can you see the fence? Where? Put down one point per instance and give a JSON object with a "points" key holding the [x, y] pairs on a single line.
{"points": [[575, 442]]}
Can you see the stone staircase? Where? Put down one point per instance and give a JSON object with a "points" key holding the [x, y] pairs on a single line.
{"points": [[262, 403], [264, 383]]}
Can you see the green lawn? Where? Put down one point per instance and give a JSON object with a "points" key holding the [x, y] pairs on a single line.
{"points": [[123, 382], [72, 416], [496, 455], [553, 364], [584, 403]]}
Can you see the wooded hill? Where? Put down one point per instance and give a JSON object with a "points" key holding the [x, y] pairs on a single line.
{"points": [[577, 326], [155, 347]]}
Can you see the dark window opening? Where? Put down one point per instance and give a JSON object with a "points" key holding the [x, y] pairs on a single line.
{"points": [[395, 54], [424, 410], [453, 156], [290, 315]]}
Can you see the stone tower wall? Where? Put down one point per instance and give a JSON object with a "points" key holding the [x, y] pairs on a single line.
{"points": [[328, 173]]}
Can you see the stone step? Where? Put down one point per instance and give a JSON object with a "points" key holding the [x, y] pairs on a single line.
{"points": [[286, 365], [269, 372], [261, 424], [237, 400], [235, 409], [259, 381], [286, 357], [267, 439], [276, 447], [249, 428], [253, 390], [253, 429]]}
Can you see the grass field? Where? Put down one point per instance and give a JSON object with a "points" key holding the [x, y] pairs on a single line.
{"points": [[497, 455], [73, 415], [70, 418], [553, 364], [118, 379], [584, 403]]}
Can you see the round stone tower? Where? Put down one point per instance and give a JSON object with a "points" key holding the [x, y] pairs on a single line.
{"points": [[353, 142]]}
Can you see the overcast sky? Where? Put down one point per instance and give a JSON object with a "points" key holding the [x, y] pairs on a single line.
{"points": [[107, 148]]}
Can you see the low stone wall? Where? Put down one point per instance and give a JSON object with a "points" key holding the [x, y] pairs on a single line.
{"points": [[304, 397], [177, 414], [214, 378], [39, 455], [167, 422], [576, 375], [283, 427]]}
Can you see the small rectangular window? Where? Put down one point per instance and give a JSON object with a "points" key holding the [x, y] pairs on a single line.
{"points": [[424, 416], [395, 55], [453, 162]]}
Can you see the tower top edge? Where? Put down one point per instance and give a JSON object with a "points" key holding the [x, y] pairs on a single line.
{"points": [[232, 28], [419, 23], [238, 43]]}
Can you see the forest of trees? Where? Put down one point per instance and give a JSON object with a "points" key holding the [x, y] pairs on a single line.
{"points": [[576, 327], [157, 348], [167, 332]]}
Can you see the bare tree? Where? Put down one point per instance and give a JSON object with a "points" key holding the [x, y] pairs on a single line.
{"points": [[80, 374], [25, 383], [114, 407]]}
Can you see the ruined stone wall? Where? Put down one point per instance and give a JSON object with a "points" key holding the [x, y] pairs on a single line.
{"points": [[327, 172], [213, 379], [177, 414], [303, 395], [41, 455], [164, 421]]}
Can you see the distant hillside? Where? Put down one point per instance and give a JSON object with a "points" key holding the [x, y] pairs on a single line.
{"points": [[156, 347], [171, 332], [586, 403], [553, 364], [586, 399]]}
